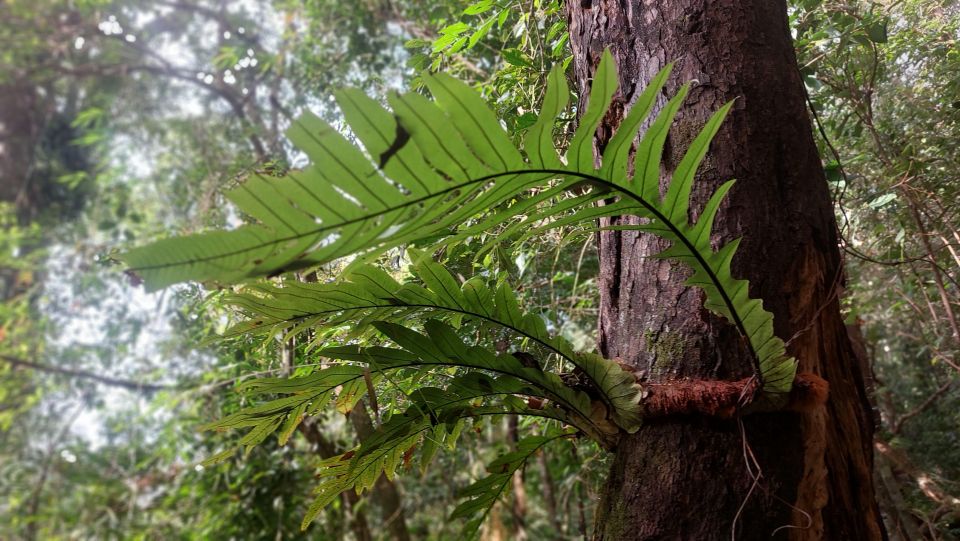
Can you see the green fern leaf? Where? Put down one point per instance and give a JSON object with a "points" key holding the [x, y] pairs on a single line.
{"points": [[442, 168], [434, 415], [369, 295], [484, 493], [442, 347]]}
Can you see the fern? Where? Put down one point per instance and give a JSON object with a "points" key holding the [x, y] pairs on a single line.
{"points": [[444, 170], [484, 493], [368, 294], [308, 396], [442, 347], [434, 418], [459, 163]]}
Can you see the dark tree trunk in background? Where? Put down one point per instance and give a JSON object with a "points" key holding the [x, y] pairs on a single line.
{"points": [[385, 493], [20, 124], [687, 478], [350, 501]]}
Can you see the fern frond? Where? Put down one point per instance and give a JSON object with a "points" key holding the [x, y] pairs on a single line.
{"points": [[484, 493], [445, 167], [369, 295], [308, 396], [442, 347], [433, 418]]}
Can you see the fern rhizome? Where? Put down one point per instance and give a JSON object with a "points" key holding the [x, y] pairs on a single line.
{"points": [[441, 171]]}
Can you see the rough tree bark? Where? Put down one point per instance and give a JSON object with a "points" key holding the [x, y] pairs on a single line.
{"points": [[687, 478]]}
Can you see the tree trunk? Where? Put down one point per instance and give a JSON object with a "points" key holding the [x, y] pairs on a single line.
{"points": [[548, 487], [385, 493], [690, 478], [349, 499], [519, 492], [20, 123]]}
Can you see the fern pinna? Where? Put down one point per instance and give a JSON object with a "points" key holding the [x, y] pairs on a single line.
{"points": [[445, 170]]}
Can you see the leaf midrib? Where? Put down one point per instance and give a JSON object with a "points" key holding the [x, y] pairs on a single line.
{"points": [[552, 173]]}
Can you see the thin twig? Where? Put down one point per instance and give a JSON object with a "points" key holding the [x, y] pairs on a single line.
{"points": [[930, 401]]}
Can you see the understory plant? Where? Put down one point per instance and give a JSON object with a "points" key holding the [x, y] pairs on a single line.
{"points": [[433, 173]]}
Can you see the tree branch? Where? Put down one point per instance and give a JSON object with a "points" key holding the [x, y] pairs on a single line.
{"points": [[181, 74], [83, 374], [925, 481], [931, 400]]}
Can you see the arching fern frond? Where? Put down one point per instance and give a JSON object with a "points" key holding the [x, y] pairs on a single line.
{"points": [[444, 168], [367, 294], [442, 347]]}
